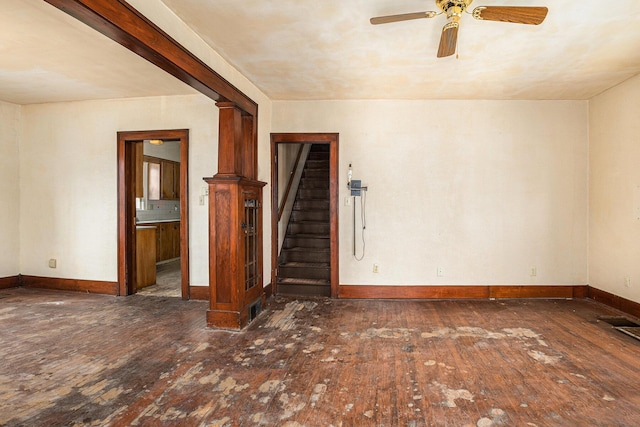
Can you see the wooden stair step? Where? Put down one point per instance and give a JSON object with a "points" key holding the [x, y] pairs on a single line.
{"points": [[306, 264], [316, 164], [310, 215], [309, 227], [303, 249], [316, 173], [299, 254], [312, 282], [303, 290], [305, 270], [313, 194], [306, 242], [311, 204]]}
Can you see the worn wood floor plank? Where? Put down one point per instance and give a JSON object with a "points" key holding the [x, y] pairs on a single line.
{"points": [[90, 360]]}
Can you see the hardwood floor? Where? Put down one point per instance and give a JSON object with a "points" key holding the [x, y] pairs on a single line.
{"points": [[168, 281], [77, 359]]}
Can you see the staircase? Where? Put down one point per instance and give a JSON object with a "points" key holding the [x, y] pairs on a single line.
{"points": [[305, 260]]}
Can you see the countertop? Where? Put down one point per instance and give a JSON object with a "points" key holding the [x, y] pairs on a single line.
{"points": [[154, 221]]}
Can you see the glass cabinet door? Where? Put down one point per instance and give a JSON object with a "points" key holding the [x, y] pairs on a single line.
{"points": [[250, 224]]}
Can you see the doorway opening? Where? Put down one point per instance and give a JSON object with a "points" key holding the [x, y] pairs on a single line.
{"points": [[153, 257], [304, 214]]}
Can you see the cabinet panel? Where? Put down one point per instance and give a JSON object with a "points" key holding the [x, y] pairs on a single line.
{"points": [[170, 177], [158, 242], [167, 172], [175, 230], [163, 179], [145, 256], [235, 265], [167, 240]]}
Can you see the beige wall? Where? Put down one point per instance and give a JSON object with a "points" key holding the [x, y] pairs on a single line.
{"points": [[68, 180], [614, 224], [485, 190], [9, 190]]}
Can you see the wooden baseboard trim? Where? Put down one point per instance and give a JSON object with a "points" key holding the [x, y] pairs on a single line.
{"points": [[9, 282], [502, 292], [72, 285], [222, 319], [459, 292], [199, 293], [614, 301], [268, 291]]}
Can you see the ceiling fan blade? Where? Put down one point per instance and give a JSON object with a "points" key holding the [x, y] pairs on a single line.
{"points": [[448, 40], [515, 14], [402, 17]]}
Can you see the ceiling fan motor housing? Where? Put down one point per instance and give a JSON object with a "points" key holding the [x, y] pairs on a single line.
{"points": [[453, 8]]}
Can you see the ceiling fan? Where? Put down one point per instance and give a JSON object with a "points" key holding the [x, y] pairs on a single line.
{"points": [[454, 9]]}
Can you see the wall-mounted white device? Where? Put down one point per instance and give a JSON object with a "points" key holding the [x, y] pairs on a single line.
{"points": [[355, 185], [356, 188]]}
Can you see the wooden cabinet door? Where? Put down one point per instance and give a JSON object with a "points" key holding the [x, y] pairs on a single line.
{"points": [[167, 240], [145, 257], [176, 180], [175, 231], [167, 177], [159, 239]]}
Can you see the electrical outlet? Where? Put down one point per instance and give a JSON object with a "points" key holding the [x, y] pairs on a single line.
{"points": [[440, 272], [53, 263], [627, 282], [376, 268], [534, 271]]}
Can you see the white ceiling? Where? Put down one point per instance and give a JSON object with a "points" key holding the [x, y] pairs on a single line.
{"points": [[311, 49], [49, 56]]}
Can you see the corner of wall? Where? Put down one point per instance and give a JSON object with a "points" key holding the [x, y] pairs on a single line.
{"points": [[10, 122]]}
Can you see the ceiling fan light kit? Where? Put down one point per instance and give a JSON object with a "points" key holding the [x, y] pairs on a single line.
{"points": [[453, 9]]}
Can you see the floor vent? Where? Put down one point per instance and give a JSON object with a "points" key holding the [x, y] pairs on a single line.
{"points": [[623, 324], [255, 309]]}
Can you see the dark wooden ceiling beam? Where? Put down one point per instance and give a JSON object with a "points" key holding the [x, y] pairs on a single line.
{"points": [[119, 21]]}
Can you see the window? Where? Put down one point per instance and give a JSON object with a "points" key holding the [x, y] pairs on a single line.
{"points": [[154, 181]]}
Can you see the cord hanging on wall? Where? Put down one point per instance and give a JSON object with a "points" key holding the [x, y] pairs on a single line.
{"points": [[357, 190]]}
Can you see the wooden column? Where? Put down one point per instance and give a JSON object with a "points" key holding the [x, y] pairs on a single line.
{"points": [[236, 294], [230, 161]]}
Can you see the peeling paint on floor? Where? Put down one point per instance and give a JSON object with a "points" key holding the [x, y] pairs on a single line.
{"points": [[284, 320], [388, 333], [543, 358], [347, 363], [451, 395]]}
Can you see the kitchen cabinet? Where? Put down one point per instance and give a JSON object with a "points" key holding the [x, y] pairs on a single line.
{"points": [[175, 237], [163, 179], [167, 240], [145, 256], [170, 179]]}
